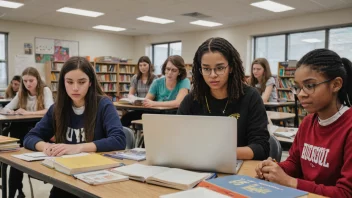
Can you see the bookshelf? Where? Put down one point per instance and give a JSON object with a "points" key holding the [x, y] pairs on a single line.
{"points": [[189, 71], [113, 77], [52, 74], [285, 80]]}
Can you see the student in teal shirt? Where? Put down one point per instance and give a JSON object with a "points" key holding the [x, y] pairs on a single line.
{"points": [[169, 90]]}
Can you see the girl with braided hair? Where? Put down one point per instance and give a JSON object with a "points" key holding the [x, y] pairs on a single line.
{"points": [[219, 89], [320, 158]]}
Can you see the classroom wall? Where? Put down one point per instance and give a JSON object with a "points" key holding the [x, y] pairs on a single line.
{"points": [[91, 43], [241, 36]]}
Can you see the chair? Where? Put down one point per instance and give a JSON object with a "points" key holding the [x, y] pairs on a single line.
{"points": [[275, 148], [130, 139]]}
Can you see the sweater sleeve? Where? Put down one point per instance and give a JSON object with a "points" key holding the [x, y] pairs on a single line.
{"points": [[13, 104], [257, 131], [115, 137], [292, 165], [48, 98], [343, 187], [42, 131]]}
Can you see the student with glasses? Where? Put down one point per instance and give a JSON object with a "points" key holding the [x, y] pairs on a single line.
{"points": [[169, 91], [219, 89], [320, 159]]}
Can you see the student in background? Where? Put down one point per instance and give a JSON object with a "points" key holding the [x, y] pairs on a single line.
{"points": [[33, 97], [262, 79], [219, 89], [169, 91], [81, 120], [140, 84], [13, 87], [320, 158]]}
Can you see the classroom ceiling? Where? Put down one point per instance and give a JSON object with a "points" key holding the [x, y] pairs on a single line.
{"points": [[123, 13]]}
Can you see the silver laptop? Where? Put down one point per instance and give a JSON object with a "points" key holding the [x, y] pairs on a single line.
{"points": [[203, 143]]}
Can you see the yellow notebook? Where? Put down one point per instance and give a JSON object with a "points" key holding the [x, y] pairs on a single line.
{"points": [[5, 139], [81, 164]]}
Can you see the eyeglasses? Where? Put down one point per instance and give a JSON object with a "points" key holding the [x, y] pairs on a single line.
{"points": [[308, 88], [167, 69], [217, 70]]}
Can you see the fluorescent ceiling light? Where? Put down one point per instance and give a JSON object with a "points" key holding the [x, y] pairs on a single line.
{"points": [[205, 23], [9, 4], [312, 40], [155, 20], [272, 6], [110, 28], [80, 12]]}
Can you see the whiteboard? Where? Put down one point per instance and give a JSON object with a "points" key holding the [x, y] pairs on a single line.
{"points": [[22, 62]]}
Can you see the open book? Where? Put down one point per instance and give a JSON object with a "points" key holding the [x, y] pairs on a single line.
{"points": [[100, 177], [81, 164], [163, 176], [133, 100]]}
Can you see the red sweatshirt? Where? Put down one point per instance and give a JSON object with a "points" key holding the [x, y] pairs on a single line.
{"points": [[321, 157]]}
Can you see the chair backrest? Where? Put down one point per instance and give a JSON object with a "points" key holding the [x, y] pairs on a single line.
{"points": [[130, 139], [275, 148]]}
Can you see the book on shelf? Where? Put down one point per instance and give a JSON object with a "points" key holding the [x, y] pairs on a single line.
{"points": [[80, 164], [133, 100], [163, 176], [241, 186], [100, 177], [198, 192]]}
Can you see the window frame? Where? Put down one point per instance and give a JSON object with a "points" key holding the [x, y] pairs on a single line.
{"points": [[168, 48], [6, 58]]}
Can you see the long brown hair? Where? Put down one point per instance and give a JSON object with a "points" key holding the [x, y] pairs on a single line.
{"points": [[23, 92], [10, 93], [236, 82], [151, 76], [63, 103], [267, 74], [179, 63]]}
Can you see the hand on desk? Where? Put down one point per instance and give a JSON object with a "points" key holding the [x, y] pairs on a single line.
{"points": [[7, 111], [22, 112], [57, 150], [148, 103], [271, 171]]}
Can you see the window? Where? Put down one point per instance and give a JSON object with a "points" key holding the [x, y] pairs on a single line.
{"points": [[301, 43], [3, 60], [340, 41], [272, 48], [163, 50]]}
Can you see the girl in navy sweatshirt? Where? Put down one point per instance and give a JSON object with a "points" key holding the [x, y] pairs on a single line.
{"points": [[320, 158], [81, 120]]}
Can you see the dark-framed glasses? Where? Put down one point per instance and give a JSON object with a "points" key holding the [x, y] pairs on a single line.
{"points": [[308, 88], [219, 70]]}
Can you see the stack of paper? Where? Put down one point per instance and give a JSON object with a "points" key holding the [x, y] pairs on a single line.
{"points": [[8, 144]]}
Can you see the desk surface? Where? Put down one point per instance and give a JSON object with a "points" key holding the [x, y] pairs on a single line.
{"points": [[279, 104], [273, 115], [122, 189], [12, 118], [133, 107]]}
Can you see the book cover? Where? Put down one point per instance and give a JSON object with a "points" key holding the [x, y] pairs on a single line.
{"points": [[244, 186], [100, 177], [5, 139]]}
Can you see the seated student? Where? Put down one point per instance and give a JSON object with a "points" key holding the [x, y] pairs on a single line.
{"points": [[13, 87], [140, 84], [320, 159], [33, 97], [219, 89], [169, 91], [81, 120], [262, 79]]}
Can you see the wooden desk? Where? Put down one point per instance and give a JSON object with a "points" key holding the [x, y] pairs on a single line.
{"points": [[18, 118], [121, 189], [161, 110], [280, 116], [4, 102]]}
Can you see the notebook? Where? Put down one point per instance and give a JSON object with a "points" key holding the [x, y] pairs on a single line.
{"points": [[195, 193], [162, 176], [81, 164], [100, 177], [241, 186]]}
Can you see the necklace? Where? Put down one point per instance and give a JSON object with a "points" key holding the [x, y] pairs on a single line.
{"points": [[223, 112]]}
